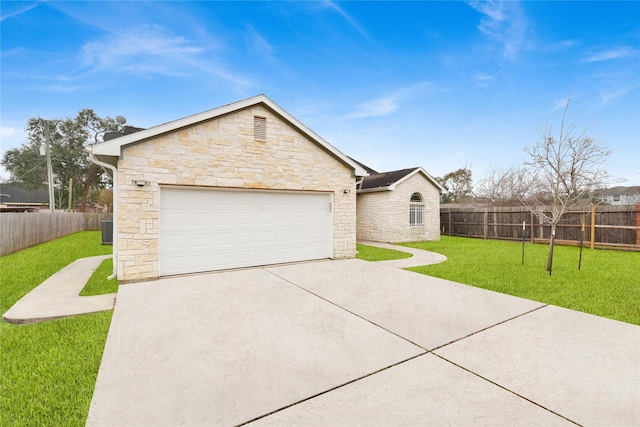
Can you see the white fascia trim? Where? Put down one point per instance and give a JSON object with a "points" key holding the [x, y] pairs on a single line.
{"points": [[377, 189], [114, 146]]}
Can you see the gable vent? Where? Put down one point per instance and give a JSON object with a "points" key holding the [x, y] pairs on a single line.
{"points": [[260, 128]]}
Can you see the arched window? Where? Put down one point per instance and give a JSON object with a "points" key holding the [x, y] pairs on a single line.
{"points": [[416, 210]]}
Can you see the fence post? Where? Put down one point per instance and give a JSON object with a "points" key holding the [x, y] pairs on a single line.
{"points": [[593, 225], [531, 226], [449, 222], [486, 223], [637, 224]]}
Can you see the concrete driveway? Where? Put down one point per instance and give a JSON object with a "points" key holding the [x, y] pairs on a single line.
{"points": [[357, 343]]}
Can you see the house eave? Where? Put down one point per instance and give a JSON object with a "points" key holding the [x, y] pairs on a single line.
{"points": [[376, 190]]}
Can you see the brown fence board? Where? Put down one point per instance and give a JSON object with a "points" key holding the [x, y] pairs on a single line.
{"points": [[615, 225], [22, 230]]}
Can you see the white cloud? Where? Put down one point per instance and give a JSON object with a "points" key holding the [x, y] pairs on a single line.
{"points": [[607, 55], [17, 12], [561, 104], [374, 108], [558, 46], [7, 132], [482, 79], [387, 104], [610, 96], [148, 51], [258, 43], [143, 50], [348, 17], [11, 137], [505, 23]]}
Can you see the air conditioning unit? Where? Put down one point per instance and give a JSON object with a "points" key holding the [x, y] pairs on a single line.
{"points": [[107, 232]]}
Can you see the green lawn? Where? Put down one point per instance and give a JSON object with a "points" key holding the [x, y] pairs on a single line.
{"points": [[98, 283], [607, 285], [372, 253], [48, 370]]}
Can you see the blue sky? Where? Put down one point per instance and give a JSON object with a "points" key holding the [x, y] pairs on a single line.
{"points": [[440, 85]]}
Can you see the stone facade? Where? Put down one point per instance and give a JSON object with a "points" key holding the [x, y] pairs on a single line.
{"points": [[222, 153], [383, 216]]}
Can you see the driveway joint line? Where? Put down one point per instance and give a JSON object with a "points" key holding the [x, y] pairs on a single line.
{"points": [[489, 327], [349, 311], [393, 365], [506, 389]]}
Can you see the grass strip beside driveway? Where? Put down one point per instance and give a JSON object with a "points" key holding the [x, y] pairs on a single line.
{"points": [[607, 285], [98, 284], [48, 370], [373, 253]]}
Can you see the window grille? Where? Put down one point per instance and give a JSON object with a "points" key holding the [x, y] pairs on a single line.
{"points": [[415, 215], [416, 211]]}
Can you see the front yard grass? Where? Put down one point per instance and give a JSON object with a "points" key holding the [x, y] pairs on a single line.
{"points": [[48, 370], [607, 285], [372, 253]]}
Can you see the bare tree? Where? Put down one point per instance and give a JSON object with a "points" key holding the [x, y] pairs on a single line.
{"points": [[502, 186], [565, 169]]}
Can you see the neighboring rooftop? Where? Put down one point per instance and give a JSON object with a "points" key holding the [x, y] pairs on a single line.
{"points": [[15, 193], [621, 190]]}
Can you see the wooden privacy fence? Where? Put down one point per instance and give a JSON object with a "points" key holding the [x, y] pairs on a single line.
{"points": [[22, 230], [617, 226]]}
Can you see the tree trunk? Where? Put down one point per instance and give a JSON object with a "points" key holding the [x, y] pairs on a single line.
{"points": [[83, 199], [92, 176], [551, 242]]}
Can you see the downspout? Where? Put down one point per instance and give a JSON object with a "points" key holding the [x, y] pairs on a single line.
{"points": [[115, 210]]}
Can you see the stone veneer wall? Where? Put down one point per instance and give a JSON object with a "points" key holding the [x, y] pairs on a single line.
{"points": [[222, 152], [383, 216]]}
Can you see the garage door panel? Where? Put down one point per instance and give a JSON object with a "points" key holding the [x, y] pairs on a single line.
{"points": [[204, 230]]}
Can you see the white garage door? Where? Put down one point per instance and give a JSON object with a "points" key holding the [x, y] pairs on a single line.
{"points": [[205, 230]]}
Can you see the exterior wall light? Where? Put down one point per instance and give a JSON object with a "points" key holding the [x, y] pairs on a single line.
{"points": [[140, 182]]}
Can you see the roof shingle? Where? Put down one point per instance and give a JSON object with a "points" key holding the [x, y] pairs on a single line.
{"points": [[385, 179]]}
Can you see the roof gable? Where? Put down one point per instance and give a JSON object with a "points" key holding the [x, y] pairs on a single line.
{"points": [[112, 148], [387, 181], [384, 179]]}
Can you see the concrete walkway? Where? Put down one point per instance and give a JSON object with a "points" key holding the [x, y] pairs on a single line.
{"points": [[58, 296], [420, 257]]}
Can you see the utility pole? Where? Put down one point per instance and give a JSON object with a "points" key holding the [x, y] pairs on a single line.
{"points": [[49, 168], [70, 194]]}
